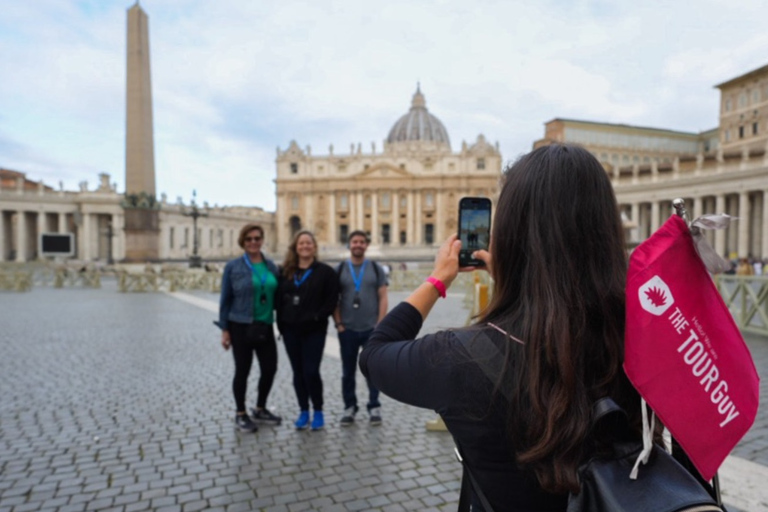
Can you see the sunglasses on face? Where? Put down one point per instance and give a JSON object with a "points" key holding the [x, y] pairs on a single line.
{"points": [[252, 239]]}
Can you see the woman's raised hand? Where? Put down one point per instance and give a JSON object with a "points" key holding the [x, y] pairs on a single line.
{"points": [[483, 256], [447, 260]]}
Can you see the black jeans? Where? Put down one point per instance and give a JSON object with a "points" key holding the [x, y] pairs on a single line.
{"points": [[246, 339], [350, 344], [305, 351]]}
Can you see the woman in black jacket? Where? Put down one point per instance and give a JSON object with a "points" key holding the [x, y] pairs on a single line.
{"points": [[307, 295], [516, 389]]}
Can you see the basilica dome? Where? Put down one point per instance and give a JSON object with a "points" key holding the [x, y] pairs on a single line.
{"points": [[418, 124]]}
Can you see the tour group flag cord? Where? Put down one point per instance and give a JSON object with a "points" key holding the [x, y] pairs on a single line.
{"points": [[684, 352]]}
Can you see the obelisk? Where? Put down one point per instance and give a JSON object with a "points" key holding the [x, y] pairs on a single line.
{"points": [[141, 209]]}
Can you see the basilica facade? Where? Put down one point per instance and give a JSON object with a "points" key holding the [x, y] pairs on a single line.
{"points": [[405, 196]]}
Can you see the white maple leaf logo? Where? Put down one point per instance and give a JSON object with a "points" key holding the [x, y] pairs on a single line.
{"points": [[655, 296]]}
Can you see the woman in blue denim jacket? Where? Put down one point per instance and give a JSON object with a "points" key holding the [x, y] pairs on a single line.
{"points": [[246, 315]]}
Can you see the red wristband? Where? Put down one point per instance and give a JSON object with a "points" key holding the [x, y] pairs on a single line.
{"points": [[437, 284]]}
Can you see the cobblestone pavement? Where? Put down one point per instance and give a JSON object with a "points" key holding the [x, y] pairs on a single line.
{"points": [[123, 402]]}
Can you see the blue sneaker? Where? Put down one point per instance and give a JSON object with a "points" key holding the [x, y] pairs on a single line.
{"points": [[303, 421], [318, 422]]}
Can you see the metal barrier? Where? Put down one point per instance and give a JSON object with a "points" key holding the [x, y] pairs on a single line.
{"points": [[46, 273], [16, 280], [68, 276], [408, 280], [747, 299], [170, 281], [194, 280]]}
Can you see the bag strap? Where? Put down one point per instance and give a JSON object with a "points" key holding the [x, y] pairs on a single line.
{"points": [[603, 407], [465, 495], [465, 498]]}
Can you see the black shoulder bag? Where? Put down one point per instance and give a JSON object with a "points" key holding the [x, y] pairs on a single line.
{"points": [[662, 485]]}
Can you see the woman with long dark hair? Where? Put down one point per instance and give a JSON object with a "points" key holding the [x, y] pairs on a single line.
{"points": [[516, 389], [307, 295]]}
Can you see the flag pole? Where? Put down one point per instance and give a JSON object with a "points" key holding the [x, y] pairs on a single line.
{"points": [[679, 205]]}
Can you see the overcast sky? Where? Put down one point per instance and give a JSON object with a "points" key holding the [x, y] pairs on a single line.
{"points": [[234, 79]]}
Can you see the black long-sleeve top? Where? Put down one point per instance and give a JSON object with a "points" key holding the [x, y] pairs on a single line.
{"points": [[451, 373], [318, 297]]}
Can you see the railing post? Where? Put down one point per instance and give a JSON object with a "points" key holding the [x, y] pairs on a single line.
{"points": [[744, 297]]}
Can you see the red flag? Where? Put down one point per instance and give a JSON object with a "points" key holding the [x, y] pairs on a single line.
{"points": [[683, 351]]}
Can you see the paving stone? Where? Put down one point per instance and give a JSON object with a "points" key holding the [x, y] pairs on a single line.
{"points": [[138, 506], [194, 506], [163, 501], [72, 507], [28, 507]]}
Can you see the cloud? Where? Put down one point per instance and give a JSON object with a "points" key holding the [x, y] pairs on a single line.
{"points": [[232, 80]]}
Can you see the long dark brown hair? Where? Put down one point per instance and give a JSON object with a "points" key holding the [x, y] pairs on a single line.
{"points": [[560, 269], [291, 262]]}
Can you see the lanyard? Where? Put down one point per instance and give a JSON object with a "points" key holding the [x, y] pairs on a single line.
{"points": [[298, 282], [262, 277], [358, 280]]}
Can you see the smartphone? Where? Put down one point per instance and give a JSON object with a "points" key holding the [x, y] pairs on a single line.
{"points": [[474, 228]]}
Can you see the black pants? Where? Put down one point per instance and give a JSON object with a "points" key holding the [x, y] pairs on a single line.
{"points": [[246, 339], [305, 351]]}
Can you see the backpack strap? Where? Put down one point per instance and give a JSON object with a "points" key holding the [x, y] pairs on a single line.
{"points": [[603, 407], [465, 499]]}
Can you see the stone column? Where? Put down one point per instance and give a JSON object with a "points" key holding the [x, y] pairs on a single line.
{"points": [[3, 244], [698, 207], [111, 238], [743, 240], [418, 219], [21, 236], [42, 227], [394, 227], [409, 237], [118, 242], [654, 216], [360, 211], [332, 235], [375, 218], [309, 217], [350, 210], [635, 232], [764, 227], [86, 238], [720, 233], [62, 222], [439, 214]]}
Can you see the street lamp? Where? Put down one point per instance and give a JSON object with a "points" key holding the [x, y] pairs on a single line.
{"points": [[195, 261]]}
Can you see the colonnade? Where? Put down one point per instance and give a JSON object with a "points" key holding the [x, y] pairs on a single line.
{"points": [[412, 225], [746, 237], [20, 231]]}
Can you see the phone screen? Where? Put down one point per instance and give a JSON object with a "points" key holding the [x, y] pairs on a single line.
{"points": [[474, 228]]}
